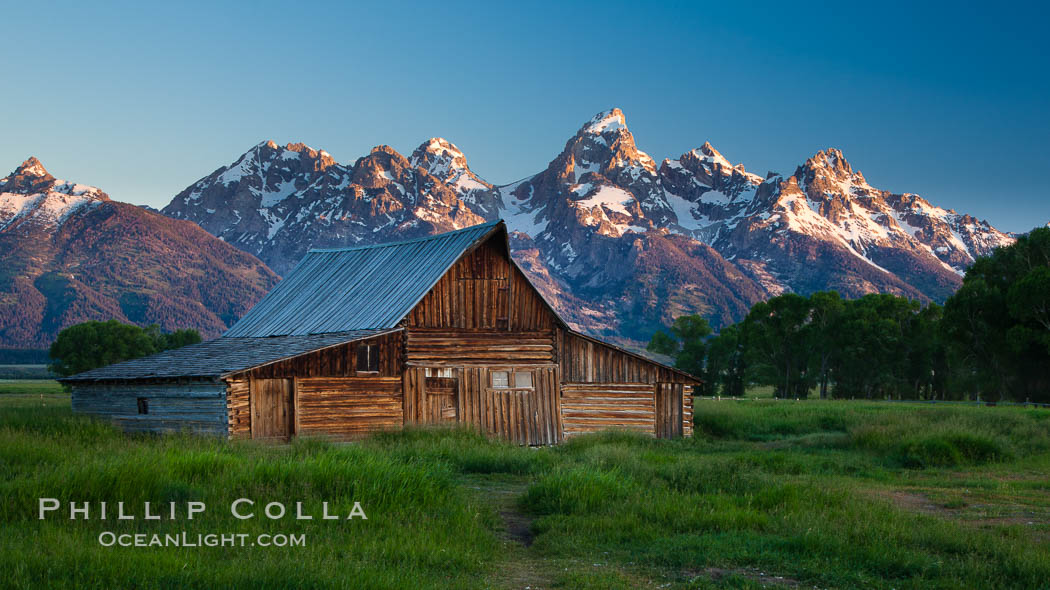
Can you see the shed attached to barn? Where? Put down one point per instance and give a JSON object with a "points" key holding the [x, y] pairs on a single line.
{"points": [[439, 330]]}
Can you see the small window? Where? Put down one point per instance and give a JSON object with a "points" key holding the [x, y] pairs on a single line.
{"points": [[435, 372], [523, 379], [500, 379], [511, 380], [143, 405], [367, 358]]}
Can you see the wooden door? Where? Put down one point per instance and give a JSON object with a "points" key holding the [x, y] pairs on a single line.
{"points": [[442, 400], [273, 408], [669, 410]]}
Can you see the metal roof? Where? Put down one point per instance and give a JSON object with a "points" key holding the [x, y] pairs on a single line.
{"points": [[371, 287], [331, 297], [219, 357]]}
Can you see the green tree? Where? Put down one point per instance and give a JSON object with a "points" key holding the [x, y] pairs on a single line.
{"points": [[997, 325], [90, 345], [686, 343], [727, 367], [777, 343], [826, 311]]}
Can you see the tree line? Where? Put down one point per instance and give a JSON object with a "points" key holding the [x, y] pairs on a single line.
{"points": [[989, 341], [90, 345]]}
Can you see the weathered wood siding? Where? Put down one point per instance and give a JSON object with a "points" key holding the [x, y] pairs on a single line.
{"points": [[272, 408], [528, 416], [336, 361], [687, 411], [238, 408], [348, 407], [483, 291], [669, 410], [456, 348], [584, 360], [590, 407], [195, 406]]}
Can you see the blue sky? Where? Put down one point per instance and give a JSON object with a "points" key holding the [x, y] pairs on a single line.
{"points": [[944, 100]]}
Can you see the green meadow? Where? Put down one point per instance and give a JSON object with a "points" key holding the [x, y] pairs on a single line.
{"points": [[768, 494]]}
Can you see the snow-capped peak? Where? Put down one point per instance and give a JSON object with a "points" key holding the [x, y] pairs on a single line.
{"points": [[441, 158], [605, 121], [833, 162], [708, 153], [31, 195], [32, 167]]}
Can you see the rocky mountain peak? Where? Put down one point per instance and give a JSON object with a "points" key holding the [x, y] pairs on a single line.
{"points": [[32, 167], [605, 122], [605, 146], [29, 177], [831, 161], [443, 160], [439, 157]]}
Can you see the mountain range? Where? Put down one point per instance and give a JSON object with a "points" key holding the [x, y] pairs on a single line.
{"points": [[68, 253], [617, 242]]}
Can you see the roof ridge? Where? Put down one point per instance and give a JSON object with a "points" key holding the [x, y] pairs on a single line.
{"points": [[411, 241]]}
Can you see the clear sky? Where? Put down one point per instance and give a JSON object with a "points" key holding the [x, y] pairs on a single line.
{"points": [[945, 100]]}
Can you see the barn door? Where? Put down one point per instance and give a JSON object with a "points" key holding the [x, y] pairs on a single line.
{"points": [[273, 408], [441, 392], [669, 410]]}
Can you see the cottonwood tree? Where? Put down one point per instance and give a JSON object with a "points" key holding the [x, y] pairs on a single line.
{"points": [[90, 345], [686, 343]]}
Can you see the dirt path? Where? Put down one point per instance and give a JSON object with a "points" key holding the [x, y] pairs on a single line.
{"points": [[520, 567]]}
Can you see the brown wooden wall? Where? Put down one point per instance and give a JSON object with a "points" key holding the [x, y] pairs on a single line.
{"points": [[590, 407], [585, 361], [336, 361], [687, 412], [664, 410], [238, 407], [348, 407], [525, 416], [442, 347], [483, 291]]}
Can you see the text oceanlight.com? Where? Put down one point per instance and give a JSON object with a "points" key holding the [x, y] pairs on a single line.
{"points": [[184, 539]]}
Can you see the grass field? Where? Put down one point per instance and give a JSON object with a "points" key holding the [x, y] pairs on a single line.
{"points": [[768, 494]]}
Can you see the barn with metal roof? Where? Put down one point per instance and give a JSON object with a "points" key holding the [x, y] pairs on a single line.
{"points": [[444, 329]]}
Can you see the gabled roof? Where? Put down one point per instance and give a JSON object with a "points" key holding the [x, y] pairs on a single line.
{"points": [[366, 288], [220, 357], [331, 297]]}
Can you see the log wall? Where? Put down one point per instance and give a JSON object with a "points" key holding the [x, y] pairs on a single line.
{"points": [[348, 407], [590, 407], [455, 348], [687, 411], [195, 406], [238, 408]]}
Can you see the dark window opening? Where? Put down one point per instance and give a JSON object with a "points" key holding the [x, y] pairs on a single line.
{"points": [[143, 404], [368, 358]]}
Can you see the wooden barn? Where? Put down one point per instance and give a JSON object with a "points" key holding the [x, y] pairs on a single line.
{"points": [[439, 330]]}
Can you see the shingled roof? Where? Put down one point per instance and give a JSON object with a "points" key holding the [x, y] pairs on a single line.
{"points": [[220, 357], [366, 288]]}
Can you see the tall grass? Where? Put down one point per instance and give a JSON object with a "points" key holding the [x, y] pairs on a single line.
{"points": [[423, 529], [791, 489]]}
